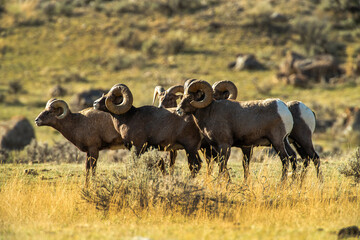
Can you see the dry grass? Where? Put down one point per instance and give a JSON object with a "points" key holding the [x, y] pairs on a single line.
{"points": [[144, 203]]}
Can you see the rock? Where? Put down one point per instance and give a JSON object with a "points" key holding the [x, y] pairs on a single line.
{"points": [[298, 80], [349, 232], [349, 121], [57, 91], [319, 68], [300, 71], [357, 65], [278, 17], [86, 99], [246, 61], [16, 133], [140, 238]]}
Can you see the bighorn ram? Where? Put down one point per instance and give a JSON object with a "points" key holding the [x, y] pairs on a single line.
{"points": [[167, 99], [148, 126], [89, 130], [301, 134], [224, 90], [231, 123]]}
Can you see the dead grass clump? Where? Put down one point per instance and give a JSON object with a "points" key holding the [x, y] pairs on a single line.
{"points": [[60, 152], [352, 167], [144, 188]]}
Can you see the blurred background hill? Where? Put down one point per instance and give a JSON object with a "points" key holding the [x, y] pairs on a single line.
{"points": [[288, 49]]}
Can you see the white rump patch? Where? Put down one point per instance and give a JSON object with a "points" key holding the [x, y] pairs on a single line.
{"points": [[308, 116], [285, 115]]}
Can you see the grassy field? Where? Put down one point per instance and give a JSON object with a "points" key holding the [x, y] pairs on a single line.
{"points": [[49, 202], [86, 44]]}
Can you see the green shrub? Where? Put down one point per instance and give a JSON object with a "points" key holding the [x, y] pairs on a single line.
{"points": [[263, 19], [129, 39], [151, 47], [124, 60], [4, 156], [313, 34], [2, 6], [259, 16], [49, 9], [352, 167], [64, 8], [68, 77], [171, 7], [130, 7], [15, 87], [175, 43], [343, 10], [58, 8], [2, 97], [97, 5]]}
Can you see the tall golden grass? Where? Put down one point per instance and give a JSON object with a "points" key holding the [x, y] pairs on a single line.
{"points": [[184, 208]]}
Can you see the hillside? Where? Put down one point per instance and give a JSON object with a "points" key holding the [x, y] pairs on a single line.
{"points": [[86, 44]]}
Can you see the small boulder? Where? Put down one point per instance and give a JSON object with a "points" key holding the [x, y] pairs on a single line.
{"points": [[300, 71], [349, 121], [86, 99], [349, 232], [298, 80], [16, 133], [57, 91], [246, 61], [278, 17]]}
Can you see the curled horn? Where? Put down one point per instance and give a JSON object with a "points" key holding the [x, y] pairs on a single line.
{"points": [[203, 86], [187, 82], [49, 102], [158, 90], [59, 104], [176, 89], [116, 91], [226, 85]]}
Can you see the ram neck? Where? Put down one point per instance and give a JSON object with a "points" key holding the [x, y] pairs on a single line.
{"points": [[67, 126], [200, 115], [119, 119]]}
